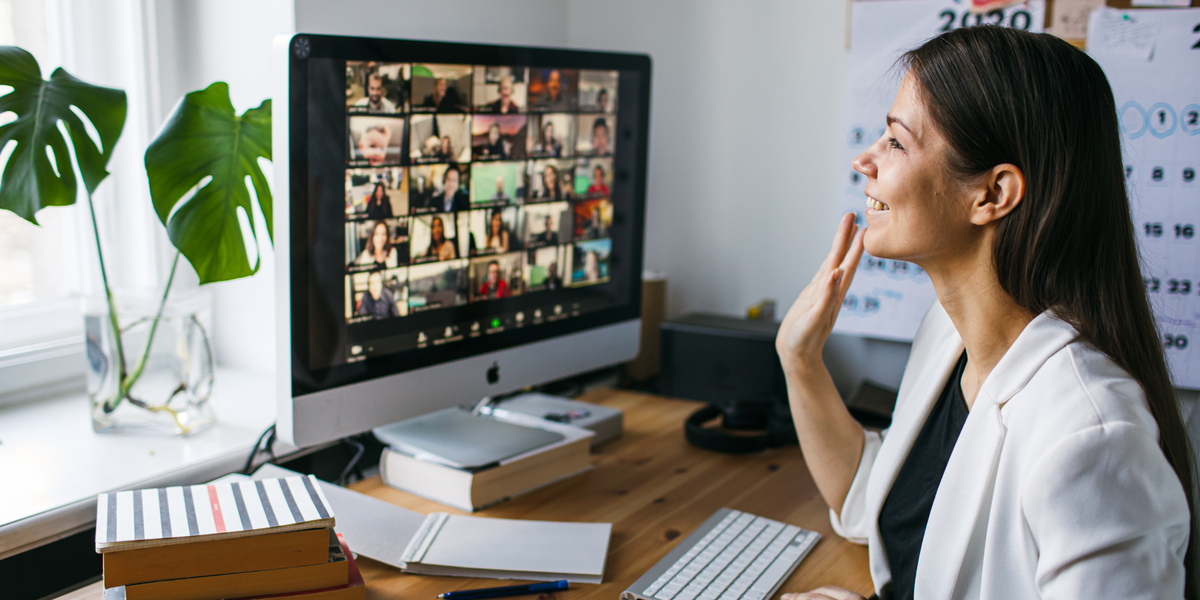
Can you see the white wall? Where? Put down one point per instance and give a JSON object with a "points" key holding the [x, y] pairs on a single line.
{"points": [[528, 22], [744, 122], [230, 41]]}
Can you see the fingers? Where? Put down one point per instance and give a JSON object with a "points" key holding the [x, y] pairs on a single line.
{"points": [[850, 262], [840, 242], [828, 592]]}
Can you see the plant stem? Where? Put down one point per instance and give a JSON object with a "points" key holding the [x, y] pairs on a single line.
{"points": [[127, 382], [110, 403]]}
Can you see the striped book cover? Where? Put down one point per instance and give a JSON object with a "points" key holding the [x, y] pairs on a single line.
{"points": [[230, 509]]}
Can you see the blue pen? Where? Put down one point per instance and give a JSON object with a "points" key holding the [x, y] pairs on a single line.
{"points": [[508, 590]]}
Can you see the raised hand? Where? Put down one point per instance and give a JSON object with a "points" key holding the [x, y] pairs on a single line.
{"points": [[809, 321]]}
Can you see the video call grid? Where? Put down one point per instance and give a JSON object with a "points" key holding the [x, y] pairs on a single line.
{"points": [[508, 210]]}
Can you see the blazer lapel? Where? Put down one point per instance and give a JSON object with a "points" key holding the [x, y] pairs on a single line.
{"points": [[911, 412], [958, 519]]}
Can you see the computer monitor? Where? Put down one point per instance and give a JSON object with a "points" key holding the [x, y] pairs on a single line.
{"points": [[453, 221]]}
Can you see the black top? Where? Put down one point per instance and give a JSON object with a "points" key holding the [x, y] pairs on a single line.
{"points": [[905, 513]]}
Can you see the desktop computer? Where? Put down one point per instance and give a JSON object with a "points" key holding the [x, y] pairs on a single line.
{"points": [[460, 221], [454, 221]]}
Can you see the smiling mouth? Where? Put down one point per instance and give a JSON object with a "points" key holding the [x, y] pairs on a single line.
{"points": [[876, 205]]}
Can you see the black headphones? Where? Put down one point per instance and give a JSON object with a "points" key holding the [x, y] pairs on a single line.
{"points": [[763, 413]]}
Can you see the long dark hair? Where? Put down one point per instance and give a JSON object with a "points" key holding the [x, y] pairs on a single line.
{"points": [[999, 95]]}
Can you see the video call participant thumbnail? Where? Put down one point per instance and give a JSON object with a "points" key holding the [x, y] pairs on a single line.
{"points": [[596, 135], [500, 90], [441, 88], [553, 90], [497, 183], [495, 277], [593, 218], [376, 193], [376, 88], [499, 137], [591, 262], [381, 244], [438, 285], [598, 91], [378, 294], [544, 224], [593, 177], [551, 135], [493, 231], [546, 268], [440, 138], [551, 180], [375, 141], [439, 188], [434, 238]]}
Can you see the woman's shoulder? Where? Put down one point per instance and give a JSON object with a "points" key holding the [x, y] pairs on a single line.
{"points": [[1078, 402]]}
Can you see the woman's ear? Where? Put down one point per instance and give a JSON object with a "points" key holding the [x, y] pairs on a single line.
{"points": [[1001, 190]]}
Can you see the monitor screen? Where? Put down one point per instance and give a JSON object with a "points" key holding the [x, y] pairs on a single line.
{"points": [[449, 200]]}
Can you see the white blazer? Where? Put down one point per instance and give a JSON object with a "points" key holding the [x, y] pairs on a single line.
{"points": [[1056, 487]]}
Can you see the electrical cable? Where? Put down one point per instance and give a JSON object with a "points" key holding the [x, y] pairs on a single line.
{"points": [[358, 454], [269, 436]]}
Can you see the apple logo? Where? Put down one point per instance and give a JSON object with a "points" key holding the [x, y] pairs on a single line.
{"points": [[493, 373]]}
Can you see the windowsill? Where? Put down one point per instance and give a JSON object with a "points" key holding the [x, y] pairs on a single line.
{"points": [[53, 465]]}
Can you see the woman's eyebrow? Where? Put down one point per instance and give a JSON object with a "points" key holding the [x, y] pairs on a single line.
{"points": [[896, 120]]}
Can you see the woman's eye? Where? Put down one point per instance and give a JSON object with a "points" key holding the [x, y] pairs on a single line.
{"points": [[892, 143]]}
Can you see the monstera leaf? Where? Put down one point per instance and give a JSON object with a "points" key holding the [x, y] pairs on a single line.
{"points": [[39, 172], [198, 166]]}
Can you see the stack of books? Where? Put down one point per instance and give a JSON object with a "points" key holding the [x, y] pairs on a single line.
{"points": [[406, 467], [270, 538]]}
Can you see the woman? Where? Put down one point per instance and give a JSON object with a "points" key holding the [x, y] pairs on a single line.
{"points": [[379, 252], [598, 187], [495, 147], [1036, 448], [591, 266], [446, 150], [550, 189], [378, 205], [547, 144], [440, 248], [497, 234], [493, 286]]}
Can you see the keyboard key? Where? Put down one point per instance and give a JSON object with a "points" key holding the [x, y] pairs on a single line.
{"points": [[773, 574]]}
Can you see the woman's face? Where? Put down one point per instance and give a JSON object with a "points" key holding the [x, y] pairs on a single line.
{"points": [[437, 230], [916, 210], [445, 144], [497, 222], [598, 175], [378, 192], [550, 178], [451, 182], [494, 133], [493, 273], [380, 237], [548, 133]]}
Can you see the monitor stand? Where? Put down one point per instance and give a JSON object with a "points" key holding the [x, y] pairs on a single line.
{"points": [[459, 438]]}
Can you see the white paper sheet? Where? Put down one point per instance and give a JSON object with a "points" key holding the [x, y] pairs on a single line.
{"points": [[1152, 60], [888, 298]]}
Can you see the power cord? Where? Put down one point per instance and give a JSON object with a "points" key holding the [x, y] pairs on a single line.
{"points": [[360, 449], [269, 436]]}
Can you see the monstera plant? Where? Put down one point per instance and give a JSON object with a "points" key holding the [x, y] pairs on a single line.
{"points": [[200, 169]]}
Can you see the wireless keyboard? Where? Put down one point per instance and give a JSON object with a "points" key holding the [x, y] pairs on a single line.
{"points": [[732, 556]]}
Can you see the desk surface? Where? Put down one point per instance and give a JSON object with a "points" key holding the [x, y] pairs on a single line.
{"points": [[654, 488]]}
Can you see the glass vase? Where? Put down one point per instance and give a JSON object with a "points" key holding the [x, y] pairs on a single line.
{"points": [[159, 378]]}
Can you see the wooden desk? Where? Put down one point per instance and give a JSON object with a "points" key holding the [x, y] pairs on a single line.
{"points": [[655, 489]]}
